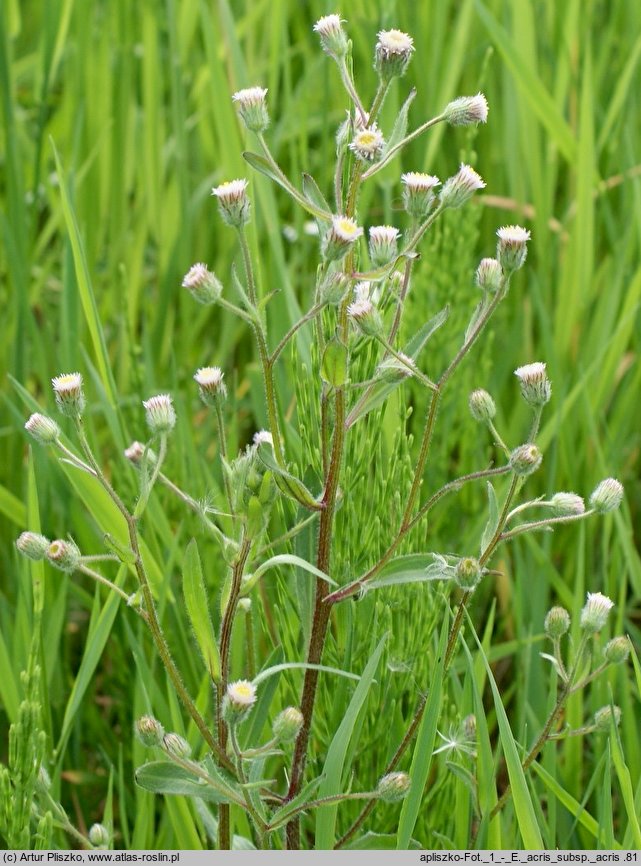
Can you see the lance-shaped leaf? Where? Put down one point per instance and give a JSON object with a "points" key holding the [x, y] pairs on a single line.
{"points": [[415, 568], [198, 610], [288, 484], [399, 130], [493, 517], [261, 164], [388, 378], [163, 777], [283, 559], [313, 195]]}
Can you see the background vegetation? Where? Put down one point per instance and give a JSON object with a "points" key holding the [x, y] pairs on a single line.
{"points": [[134, 97]]}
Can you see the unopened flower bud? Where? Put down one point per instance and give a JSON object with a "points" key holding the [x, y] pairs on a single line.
{"points": [[332, 36], [252, 108], [482, 406], [287, 725], [607, 496], [392, 54], [136, 451], [99, 836], [511, 249], [566, 504], [468, 573], [526, 459], [32, 545], [203, 284], [418, 192], [595, 612], [238, 701], [210, 385], [43, 777], [365, 315], [245, 605], [534, 382], [160, 414], [489, 275], [383, 244], [339, 238], [604, 717], [393, 787], [176, 746], [43, 429], [149, 731], [368, 143], [466, 110], [69, 394], [617, 650], [459, 189], [263, 437], [557, 622], [233, 202], [469, 726], [333, 288], [64, 555]]}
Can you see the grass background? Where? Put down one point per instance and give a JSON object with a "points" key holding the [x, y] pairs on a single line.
{"points": [[134, 99]]}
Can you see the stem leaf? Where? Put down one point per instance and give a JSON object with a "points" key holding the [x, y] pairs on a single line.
{"points": [[334, 363], [288, 484], [493, 517], [163, 777], [198, 610]]}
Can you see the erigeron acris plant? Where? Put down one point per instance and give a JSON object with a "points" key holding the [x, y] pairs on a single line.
{"points": [[363, 281]]}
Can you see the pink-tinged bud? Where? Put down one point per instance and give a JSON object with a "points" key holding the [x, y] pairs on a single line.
{"points": [[604, 717], [339, 238], [287, 725], [263, 437], [418, 192], [64, 555], [557, 623], [393, 53], [203, 284], [160, 414], [69, 394], [233, 202], [33, 545], [617, 650], [489, 276], [466, 110], [460, 188], [332, 36], [149, 731], [365, 315], [368, 144], [567, 504], [511, 249], [595, 613], [136, 451], [252, 108], [210, 385], [534, 382], [43, 429], [393, 787], [176, 746]]}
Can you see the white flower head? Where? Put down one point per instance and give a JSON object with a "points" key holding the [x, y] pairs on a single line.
{"points": [[342, 233], [252, 107], [238, 701], [263, 437], [161, 417], [210, 384], [233, 201], [393, 53], [368, 143], [595, 613], [418, 192], [466, 110], [534, 382], [383, 244], [511, 249], [69, 394], [332, 36], [202, 283], [460, 188]]}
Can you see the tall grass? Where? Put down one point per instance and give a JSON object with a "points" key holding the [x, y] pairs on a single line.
{"points": [[116, 122]]}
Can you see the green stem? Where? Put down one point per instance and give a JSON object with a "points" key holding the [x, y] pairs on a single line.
{"points": [[542, 524], [311, 314], [286, 183], [94, 575], [392, 153], [346, 78], [149, 486]]}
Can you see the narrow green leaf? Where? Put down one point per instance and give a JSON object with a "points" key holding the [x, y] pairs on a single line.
{"points": [[283, 559], [625, 782], [418, 341], [288, 666], [198, 609], [334, 767], [281, 815], [523, 806], [261, 164], [12, 508], [313, 194], [493, 517], [423, 749], [399, 130], [414, 568]]}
